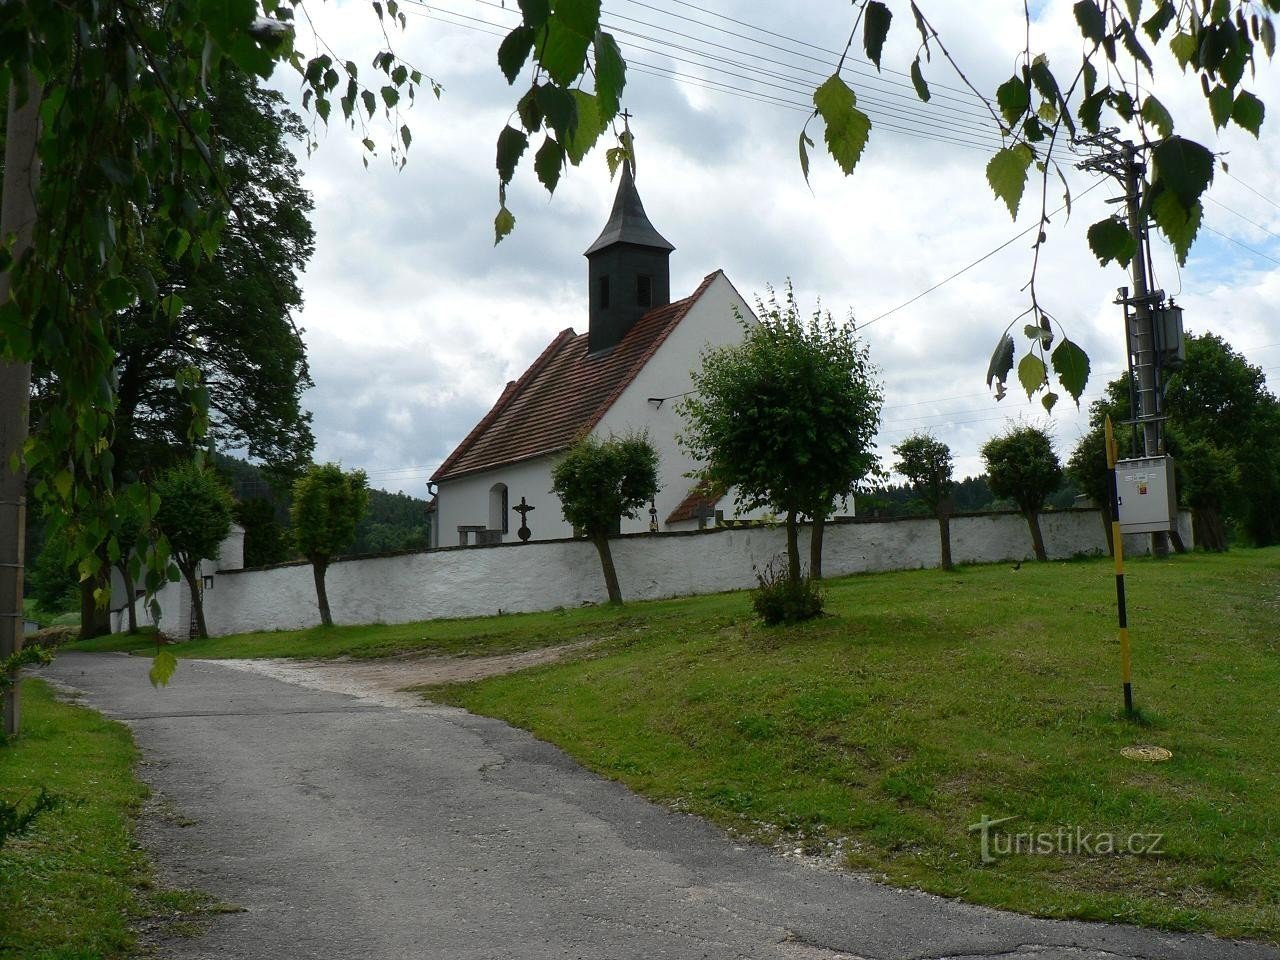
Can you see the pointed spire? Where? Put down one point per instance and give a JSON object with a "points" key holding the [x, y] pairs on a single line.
{"points": [[628, 222]]}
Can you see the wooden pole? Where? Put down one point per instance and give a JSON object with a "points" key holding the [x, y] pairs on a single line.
{"points": [[17, 221], [1117, 539]]}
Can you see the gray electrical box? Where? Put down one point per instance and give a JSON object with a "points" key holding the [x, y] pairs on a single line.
{"points": [[1166, 323], [1148, 499]]}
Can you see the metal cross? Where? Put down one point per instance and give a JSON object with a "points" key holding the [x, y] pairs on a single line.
{"points": [[523, 508]]}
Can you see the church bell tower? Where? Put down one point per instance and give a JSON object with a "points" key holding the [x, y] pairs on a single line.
{"points": [[628, 268]]}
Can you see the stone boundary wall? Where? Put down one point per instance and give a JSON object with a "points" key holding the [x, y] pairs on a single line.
{"points": [[543, 575]]}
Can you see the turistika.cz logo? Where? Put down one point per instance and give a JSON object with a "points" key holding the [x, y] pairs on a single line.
{"points": [[1065, 841]]}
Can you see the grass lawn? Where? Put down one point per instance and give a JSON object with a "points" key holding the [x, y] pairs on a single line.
{"points": [[71, 887], [473, 636], [928, 700]]}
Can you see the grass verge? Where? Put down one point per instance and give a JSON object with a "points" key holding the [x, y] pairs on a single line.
{"points": [[76, 885], [927, 700]]}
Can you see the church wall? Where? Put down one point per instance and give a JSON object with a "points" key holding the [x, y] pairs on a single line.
{"points": [[710, 321], [466, 501], [477, 581]]}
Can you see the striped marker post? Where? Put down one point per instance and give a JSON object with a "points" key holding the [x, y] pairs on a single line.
{"points": [[1117, 549]]}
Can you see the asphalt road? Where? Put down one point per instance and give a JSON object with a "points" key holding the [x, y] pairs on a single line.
{"points": [[348, 829]]}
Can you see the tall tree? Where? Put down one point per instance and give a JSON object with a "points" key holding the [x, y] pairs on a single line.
{"points": [[195, 514], [1022, 465], [926, 463], [327, 505], [601, 481], [788, 418]]}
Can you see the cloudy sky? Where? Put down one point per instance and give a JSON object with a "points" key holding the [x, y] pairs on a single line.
{"points": [[414, 320]]}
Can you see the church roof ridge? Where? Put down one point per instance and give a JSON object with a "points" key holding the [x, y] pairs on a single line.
{"points": [[628, 223]]}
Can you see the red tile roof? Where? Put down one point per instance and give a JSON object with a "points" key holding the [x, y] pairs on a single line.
{"points": [[701, 502], [563, 394]]}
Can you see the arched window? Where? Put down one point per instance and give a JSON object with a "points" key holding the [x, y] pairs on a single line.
{"points": [[498, 511]]}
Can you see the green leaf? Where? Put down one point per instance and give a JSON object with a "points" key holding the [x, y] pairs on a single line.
{"points": [[370, 101], [1248, 112], [1090, 111], [1159, 20], [1049, 400], [580, 16], [1184, 48], [1134, 46], [805, 143], [1185, 167], [503, 224], [1001, 360], [563, 54], [1071, 364], [548, 162], [1032, 374], [557, 107], [511, 145], [1220, 104], [535, 11], [1110, 239], [1178, 223], [514, 51], [848, 128], [876, 18], [1044, 80], [1039, 334], [588, 129], [115, 294], [1093, 26], [1154, 112], [917, 79], [1135, 9], [1267, 34], [611, 75], [406, 136], [163, 666], [1014, 98], [1007, 174]]}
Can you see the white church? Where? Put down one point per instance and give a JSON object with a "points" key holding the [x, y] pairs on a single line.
{"points": [[624, 374]]}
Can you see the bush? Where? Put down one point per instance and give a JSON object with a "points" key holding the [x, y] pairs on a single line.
{"points": [[778, 599]]}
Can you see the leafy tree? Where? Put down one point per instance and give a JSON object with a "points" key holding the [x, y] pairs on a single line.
{"points": [[788, 417], [926, 462], [327, 505], [1216, 397], [265, 540], [131, 527], [1088, 467], [52, 577], [601, 481], [194, 514], [1022, 466], [1210, 486]]}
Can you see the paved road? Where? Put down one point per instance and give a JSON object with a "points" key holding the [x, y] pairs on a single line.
{"points": [[347, 829]]}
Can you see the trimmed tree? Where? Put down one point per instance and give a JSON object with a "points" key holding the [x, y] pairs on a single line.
{"points": [[327, 505], [1022, 465], [788, 417], [1210, 479], [601, 481], [926, 463], [195, 517]]}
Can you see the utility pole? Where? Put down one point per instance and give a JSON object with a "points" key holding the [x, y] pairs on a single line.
{"points": [[17, 221], [1143, 311]]}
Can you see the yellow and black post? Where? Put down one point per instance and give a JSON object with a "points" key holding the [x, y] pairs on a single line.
{"points": [[1117, 544]]}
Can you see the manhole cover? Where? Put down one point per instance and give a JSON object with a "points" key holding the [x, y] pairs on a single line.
{"points": [[1147, 754]]}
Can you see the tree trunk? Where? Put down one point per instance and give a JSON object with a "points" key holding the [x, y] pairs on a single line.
{"points": [[793, 548], [130, 605], [1037, 540], [17, 220], [815, 548], [606, 564], [197, 600], [318, 569], [1208, 529], [95, 618], [944, 535]]}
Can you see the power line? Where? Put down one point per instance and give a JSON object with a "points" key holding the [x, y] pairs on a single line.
{"points": [[1242, 217], [1256, 253], [1251, 189]]}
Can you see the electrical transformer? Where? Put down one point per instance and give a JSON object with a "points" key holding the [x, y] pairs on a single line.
{"points": [[1147, 494]]}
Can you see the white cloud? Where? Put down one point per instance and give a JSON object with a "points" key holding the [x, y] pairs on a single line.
{"points": [[415, 320]]}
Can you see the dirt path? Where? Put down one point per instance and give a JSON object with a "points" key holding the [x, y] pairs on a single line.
{"points": [[386, 680]]}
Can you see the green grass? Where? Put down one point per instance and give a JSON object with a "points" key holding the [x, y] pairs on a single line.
{"points": [[74, 885], [929, 699], [473, 636]]}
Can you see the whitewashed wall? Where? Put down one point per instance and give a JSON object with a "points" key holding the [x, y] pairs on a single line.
{"points": [[543, 575]]}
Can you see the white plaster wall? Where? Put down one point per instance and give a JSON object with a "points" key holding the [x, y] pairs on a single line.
{"points": [[709, 322], [542, 575], [466, 501]]}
